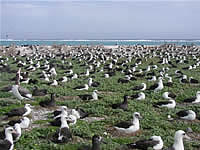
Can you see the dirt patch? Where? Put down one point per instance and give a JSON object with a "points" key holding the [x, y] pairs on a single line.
{"points": [[92, 119], [39, 113], [64, 98]]}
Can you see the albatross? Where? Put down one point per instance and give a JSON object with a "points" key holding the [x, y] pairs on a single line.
{"points": [[141, 87], [96, 141], [155, 142], [129, 127], [94, 96], [63, 135], [82, 87], [138, 96], [23, 111], [123, 105], [7, 143], [20, 92], [186, 115], [193, 100], [24, 122], [178, 140], [158, 86], [168, 95], [167, 104]]}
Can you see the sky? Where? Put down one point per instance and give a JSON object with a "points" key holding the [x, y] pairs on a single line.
{"points": [[100, 19]]}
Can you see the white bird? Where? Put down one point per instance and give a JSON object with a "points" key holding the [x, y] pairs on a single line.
{"points": [[55, 83], [186, 115], [80, 88], [178, 140], [155, 142], [168, 104], [7, 143], [25, 122], [193, 100], [158, 86], [138, 96], [129, 127], [168, 95]]}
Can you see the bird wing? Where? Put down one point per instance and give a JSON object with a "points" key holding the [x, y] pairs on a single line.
{"points": [[56, 113], [95, 84], [137, 87], [79, 87], [82, 113], [134, 96], [4, 144], [152, 87], [142, 144], [23, 91], [13, 122], [85, 97], [124, 124], [17, 112], [115, 106], [163, 103], [189, 100], [147, 143], [182, 113]]}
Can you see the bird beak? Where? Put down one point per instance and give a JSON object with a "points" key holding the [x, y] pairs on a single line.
{"points": [[187, 137], [14, 131], [140, 117], [128, 97], [69, 120]]}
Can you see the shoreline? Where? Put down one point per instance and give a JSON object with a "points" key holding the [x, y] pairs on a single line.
{"points": [[97, 42], [30, 49]]}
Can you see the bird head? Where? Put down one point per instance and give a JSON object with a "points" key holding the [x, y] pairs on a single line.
{"points": [[137, 115]]}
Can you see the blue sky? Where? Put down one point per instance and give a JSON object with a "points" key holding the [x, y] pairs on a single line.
{"points": [[102, 19]]}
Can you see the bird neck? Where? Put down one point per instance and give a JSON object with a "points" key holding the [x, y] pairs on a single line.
{"points": [[160, 83], [144, 87], [9, 137], [125, 100], [64, 122], [95, 96], [65, 113], [95, 146], [90, 82], [17, 82], [136, 121], [178, 144], [52, 98]]}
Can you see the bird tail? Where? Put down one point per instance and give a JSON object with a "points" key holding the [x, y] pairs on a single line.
{"points": [[156, 106]]}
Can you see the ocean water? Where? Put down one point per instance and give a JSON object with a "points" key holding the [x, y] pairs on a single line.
{"points": [[98, 42]]}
